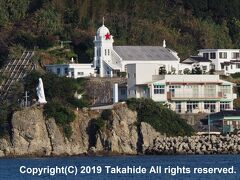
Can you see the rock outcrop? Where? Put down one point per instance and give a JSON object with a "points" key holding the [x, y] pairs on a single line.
{"points": [[122, 137], [29, 134], [148, 134], [33, 135]]}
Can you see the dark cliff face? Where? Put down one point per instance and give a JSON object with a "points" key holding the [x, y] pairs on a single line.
{"points": [[33, 135]]}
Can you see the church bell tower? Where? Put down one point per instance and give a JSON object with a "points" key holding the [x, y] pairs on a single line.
{"points": [[103, 45]]}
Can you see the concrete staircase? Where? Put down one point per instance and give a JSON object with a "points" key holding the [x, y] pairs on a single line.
{"points": [[15, 70]]}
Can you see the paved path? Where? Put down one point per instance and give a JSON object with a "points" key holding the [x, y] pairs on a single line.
{"points": [[102, 107]]}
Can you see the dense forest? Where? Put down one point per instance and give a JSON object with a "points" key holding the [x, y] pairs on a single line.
{"points": [[187, 25]]}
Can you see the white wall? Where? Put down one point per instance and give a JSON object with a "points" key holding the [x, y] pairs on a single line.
{"points": [[131, 80], [74, 70], [185, 92], [168, 64], [217, 62]]}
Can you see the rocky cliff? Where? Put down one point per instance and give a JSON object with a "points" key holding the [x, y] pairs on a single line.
{"points": [[34, 135]]}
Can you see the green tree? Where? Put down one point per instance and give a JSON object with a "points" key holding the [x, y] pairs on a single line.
{"points": [[160, 117], [3, 13], [16, 9], [48, 21]]}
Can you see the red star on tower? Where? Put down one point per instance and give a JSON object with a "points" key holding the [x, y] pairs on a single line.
{"points": [[107, 36]]}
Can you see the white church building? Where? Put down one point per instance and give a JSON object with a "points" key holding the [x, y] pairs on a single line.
{"points": [[110, 59]]}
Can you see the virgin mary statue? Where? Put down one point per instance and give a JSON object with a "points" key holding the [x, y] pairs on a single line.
{"points": [[40, 92]]}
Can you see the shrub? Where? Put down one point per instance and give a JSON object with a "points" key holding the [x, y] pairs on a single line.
{"points": [[107, 114], [121, 74], [63, 116], [186, 71], [67, 130], [99, 123], [4, 119], [236, 75], [43, 42], [160, 117]]}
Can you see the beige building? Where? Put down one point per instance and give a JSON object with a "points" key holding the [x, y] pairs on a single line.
{"points": [[183, 93]]}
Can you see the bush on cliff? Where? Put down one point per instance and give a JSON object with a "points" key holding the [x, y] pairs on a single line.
{"points": [[63, 116], [160, 117], [4, 120], [60, 94]]}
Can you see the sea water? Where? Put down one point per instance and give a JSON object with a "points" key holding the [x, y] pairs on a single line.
{"points": [[123, 167]]}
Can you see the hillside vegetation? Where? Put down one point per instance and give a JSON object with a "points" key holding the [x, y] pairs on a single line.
{"points": [[160, 117], [187, 25]]}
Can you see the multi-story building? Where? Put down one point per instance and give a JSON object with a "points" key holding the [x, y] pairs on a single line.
{"points": [[183, 93], [226, 60]]}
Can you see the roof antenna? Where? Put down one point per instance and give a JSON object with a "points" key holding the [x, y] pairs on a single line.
{"points": [[103, 21]]}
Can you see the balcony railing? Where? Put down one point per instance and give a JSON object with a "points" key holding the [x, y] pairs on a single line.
{"points": [[175, 96]]}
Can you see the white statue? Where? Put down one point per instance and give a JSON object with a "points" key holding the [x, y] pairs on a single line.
{"points": [[40, 92]]}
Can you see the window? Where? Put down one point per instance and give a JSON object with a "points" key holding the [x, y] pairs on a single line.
{"points": [[159, 89], [191, 105], [213, 55], [235, 55], [80, 73], [109, 52], [212, 66], [134, 75], [222, 66], [231, 66], [128, 75], [58, 70], [223, 55], [122, 92], [98, 52], [206, 55], [210, 106], [225, 89], [66, 71], [172, 89], [224, 106], [204, 68], [210, 90], [105, 52], [238, 66], [178, 107]]}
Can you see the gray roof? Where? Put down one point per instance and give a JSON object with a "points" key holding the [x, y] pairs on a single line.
{"points": [[195, 59], [143, 53]]}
